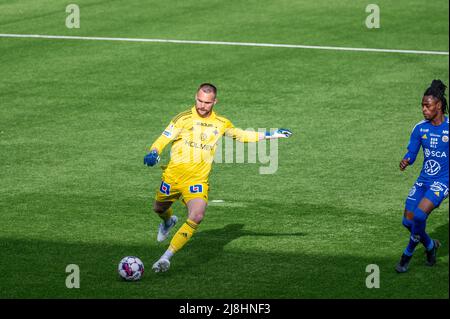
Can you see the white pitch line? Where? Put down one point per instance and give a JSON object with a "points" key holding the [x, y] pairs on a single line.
{"points": [[250, 44]]}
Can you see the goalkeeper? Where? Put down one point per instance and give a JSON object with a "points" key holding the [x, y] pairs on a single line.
{"points": [[194, 134]]}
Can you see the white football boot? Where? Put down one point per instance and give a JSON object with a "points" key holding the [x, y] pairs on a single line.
{"points": [[164, 230], [161, 265]]}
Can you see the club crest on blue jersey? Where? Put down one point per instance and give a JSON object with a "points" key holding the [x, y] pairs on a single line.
{"points": [[198, 188], [165, 188]]}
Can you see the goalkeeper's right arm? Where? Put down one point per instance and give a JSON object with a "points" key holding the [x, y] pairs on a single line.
{"points": [[152, 158], [168, 135]]}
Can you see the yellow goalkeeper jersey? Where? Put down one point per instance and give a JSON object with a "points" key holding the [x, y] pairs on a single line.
{"points": [[194, 140]]}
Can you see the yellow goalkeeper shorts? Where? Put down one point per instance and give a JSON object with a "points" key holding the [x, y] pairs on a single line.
{"points": [[171, 192]]}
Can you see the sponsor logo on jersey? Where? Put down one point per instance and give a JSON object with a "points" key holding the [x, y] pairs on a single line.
{"points": [[424, 136], [204, 124], [433, 142], [435, 135], [202, 146], [432, 167], [437, 154], [169, 130], [425, 130]]}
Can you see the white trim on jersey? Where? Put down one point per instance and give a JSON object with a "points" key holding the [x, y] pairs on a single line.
{"points": [[421, 122]]}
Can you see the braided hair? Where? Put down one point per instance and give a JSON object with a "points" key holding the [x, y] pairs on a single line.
{"points": [[437, 90]]}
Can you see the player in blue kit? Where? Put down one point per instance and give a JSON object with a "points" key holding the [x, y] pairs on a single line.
{"points": [[431, 188]]}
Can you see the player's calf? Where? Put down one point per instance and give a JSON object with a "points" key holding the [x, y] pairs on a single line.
{"points": [[161, 207]]}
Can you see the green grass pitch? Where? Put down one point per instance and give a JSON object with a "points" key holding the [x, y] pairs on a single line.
{"points": [[76, 116]]}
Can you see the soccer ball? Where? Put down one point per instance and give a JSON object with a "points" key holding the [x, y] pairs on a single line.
{"points": [[131, 268]]}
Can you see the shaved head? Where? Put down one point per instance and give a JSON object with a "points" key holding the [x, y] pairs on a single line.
{"points": [[205, 99], [207, 88]]}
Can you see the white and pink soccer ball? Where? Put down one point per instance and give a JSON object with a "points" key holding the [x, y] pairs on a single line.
{"points": [[131, 268]]}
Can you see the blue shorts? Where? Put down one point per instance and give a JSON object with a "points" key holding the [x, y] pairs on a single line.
{"points": [[435, 191]]}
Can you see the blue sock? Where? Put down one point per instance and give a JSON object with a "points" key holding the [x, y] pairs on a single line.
{"points": [[413, 242], [418, 233], [408, 225]]}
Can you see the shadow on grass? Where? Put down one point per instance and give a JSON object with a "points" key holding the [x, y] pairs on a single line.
{"points": [[441, 233], [217, 239], [207, 270]]}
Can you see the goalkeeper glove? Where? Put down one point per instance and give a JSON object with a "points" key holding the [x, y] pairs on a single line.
{"points": [[279, 133], [152, 158]]}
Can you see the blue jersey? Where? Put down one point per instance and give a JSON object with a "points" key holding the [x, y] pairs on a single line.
{"points": [[434, 142]]}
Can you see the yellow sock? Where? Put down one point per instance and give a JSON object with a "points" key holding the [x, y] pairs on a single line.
{"points": [[167, 214], [182, 236]]}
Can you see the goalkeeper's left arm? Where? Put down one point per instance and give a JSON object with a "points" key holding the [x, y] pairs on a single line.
{"points": [[251, 136]]}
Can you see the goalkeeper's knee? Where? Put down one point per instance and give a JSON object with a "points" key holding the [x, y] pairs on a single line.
{"points": [[197, 216]]}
